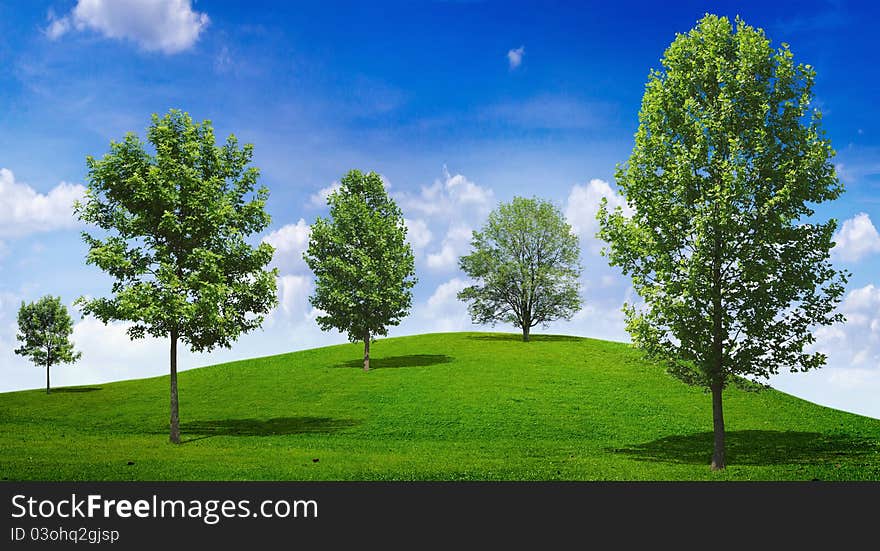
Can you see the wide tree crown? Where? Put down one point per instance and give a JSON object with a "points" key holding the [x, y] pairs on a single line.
{"points": [[723, 248], [525, 262], [177, 223]]}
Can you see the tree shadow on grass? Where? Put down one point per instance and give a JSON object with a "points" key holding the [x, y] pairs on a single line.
{"points": [[754, 447], [278, 426], [412, 360], [75, 389], [518, 337]]}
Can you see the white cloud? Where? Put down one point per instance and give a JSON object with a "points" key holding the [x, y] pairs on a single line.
{"points": [[455, 244], [108, 348], [290, 243], [23, 210], [453, 197], [582, 206], [856, 238], [443, 259], [442, 311], [293, 294], [417, 233], [514, 57], [446, 293], [57, 27], [855, 343], [167, 26], [319, 199]]}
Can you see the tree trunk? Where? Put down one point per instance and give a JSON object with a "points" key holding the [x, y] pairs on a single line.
{"points": [[526, 330], [367, 351], [175, 414], [718, 425], [718, 378], [48, 358]]}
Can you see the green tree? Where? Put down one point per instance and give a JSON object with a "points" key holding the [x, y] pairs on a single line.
{"points": [[364, 268], [176, 225], [526, 261], [723, 247], [44, 329]]}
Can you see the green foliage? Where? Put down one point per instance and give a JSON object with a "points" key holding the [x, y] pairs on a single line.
{"points": [[44, 330], [722, 247], [364, 268], [556, 408], [176, 225], [526, 263]]}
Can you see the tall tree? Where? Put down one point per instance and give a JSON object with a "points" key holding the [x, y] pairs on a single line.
{"points": [[176, 225], [364, 268], [44, 329], [723, 246], [526, 261]]}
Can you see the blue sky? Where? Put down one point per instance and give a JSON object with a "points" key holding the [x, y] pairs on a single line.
{"points": [[458, 105]]}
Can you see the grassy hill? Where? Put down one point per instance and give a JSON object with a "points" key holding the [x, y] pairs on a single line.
{"points": [[452, 406]]}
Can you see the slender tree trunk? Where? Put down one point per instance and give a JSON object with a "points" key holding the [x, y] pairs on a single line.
{"points": [[48, 359], [717, 386], [526, 329], [367, 351], [175, 414], [718, 425], [718, 377]]}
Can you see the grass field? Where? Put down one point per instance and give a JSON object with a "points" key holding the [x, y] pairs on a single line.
{"points": [[451, 406]]}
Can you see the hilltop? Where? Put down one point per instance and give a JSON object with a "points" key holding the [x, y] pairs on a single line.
{"points": [[447, 406]]}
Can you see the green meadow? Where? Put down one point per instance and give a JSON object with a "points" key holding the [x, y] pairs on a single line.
{"points": [[448, 406]]}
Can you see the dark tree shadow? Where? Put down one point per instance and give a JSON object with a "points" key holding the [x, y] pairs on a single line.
{"points": [[269, 427], [412, 360], [75, 389], [518, 337], [754, 447]]}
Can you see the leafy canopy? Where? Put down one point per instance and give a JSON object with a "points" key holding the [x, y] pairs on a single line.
{"points": [[364, 267], [44, 330], [723, 246], [526, 261], [176, 227]]}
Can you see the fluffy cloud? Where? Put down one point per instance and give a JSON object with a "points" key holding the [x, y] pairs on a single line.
{"points": [[442, 311], [417, 233], [856, 238], [582, 206], [450, 207], [514, 57], [290, 243], [452, 197], [853, 350], [167, 26], [455, 244], [23, 210], [293, 293]]}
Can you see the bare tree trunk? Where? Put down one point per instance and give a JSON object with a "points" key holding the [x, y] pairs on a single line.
{"points": [[175, 414], [718, 425], [367, 351], [47, 378], [525, 330]]}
